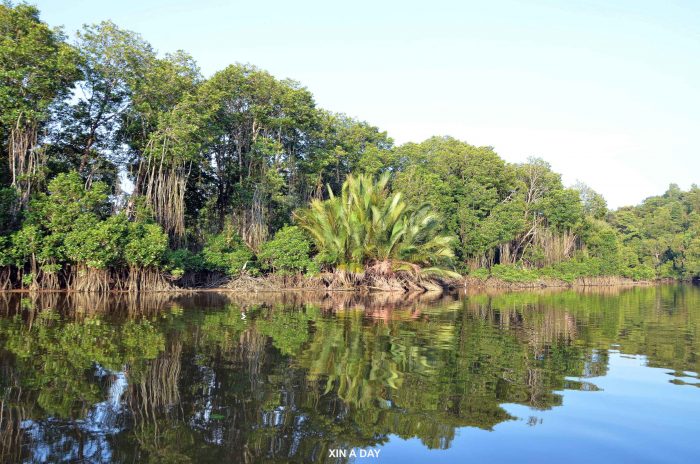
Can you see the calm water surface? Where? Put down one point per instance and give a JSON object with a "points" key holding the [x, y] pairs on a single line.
{"points": [[600, 376]]}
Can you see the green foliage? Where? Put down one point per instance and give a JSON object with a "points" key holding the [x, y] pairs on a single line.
{"points": [[602, 241], [568, 271], [66, 201], [86, 136], [66, 223], [146, 246], [287, 253], [639, 272], [481, 273], [8, 204], [182, 260], [367, 225], [5, 252], [98, 244], [470, 187], [36, 66], [513, 273], [274, 121], [227, 253], [573, 269], [594, 205], [26, 243], [662, 234], [71, 223], [27, 279], [502, 213], [344, 146], [563, 209]]}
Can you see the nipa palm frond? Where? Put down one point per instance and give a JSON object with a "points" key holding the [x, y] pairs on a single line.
{"points": [[366, 224]]}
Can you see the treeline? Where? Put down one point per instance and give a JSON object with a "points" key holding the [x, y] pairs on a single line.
{"points": [[518, 222], [235, 173]]}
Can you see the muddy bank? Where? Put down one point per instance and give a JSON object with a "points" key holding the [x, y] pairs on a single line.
{"points": [[402, 285], [397, 283], [600, 281]]}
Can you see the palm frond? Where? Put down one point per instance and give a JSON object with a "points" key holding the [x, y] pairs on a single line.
{"points": [[366, 223]]}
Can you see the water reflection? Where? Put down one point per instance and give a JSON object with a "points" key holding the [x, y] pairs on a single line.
{"points": [[213, 377]]}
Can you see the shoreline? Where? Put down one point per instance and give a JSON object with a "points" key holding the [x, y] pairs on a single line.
{"points": [[263, 285], [581, 282]]}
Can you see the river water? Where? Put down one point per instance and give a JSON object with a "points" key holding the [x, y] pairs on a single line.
{"points": [[603, 375]]}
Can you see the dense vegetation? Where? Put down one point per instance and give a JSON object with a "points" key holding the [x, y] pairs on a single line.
{"points": [[235, 174]]}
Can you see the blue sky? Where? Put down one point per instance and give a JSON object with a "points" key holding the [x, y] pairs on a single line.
{"points": [[607, 91]]}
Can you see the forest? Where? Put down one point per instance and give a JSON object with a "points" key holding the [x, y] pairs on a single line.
{"points": [[126, 169]]}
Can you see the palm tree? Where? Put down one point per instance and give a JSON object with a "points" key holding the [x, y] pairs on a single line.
{"points": [[368, 229]]}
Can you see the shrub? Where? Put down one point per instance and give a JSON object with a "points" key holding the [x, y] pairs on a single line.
{"points": [[513, 273], [27, 279], [68, 200], [640, 272], [667, 270], [481, 273], [287, 252], [573, 269], [182, 260], [146, 246], [98, 244], [25, 242], [227, 253]]}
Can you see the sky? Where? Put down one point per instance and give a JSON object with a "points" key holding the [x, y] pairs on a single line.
{"points": [[608, 92]]}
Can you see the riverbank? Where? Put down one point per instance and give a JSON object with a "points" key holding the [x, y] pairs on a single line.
{"points": [[592, 281], [330, 283], [398, 283]]}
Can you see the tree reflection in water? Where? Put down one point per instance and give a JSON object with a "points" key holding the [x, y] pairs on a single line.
{"points": [[212, 377]]}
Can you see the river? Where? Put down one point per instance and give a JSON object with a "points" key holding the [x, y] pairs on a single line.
{"points": [[598, 375]]}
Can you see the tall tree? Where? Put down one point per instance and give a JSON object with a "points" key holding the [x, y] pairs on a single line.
{"points": [[472, 187], [343, 146], [165, 129], [113, 60], [37, 68], [552, 216], [262, 129], [594, 204]]}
